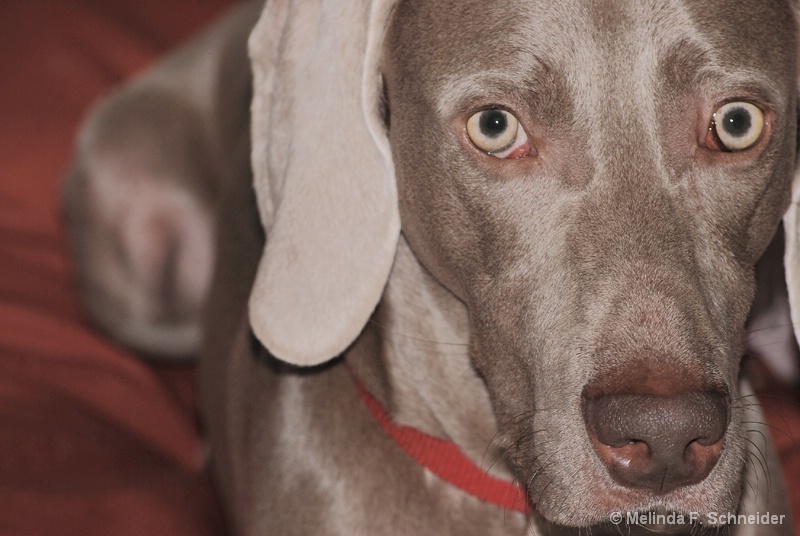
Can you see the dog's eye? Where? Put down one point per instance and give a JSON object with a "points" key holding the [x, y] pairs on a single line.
{"points": [[738, 125], [498, 133]]}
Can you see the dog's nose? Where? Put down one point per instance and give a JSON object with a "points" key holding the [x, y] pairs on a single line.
{"points": [[658, 442]]}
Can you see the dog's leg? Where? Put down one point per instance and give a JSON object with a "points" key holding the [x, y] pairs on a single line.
{"points": [[141, 221], [140, 198]]}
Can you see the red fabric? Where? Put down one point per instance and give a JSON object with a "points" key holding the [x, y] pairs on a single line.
{"points": [[445, 460], [92, 440], [781, 405]]}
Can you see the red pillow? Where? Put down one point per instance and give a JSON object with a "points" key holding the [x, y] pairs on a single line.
{"points": [[92, 440]]}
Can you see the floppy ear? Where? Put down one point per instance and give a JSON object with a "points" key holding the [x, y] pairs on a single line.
{"points": [[323, 175], [791, 220], [791, 258]]}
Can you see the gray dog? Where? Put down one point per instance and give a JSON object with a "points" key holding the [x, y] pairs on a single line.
{"points": [[503, 268]]}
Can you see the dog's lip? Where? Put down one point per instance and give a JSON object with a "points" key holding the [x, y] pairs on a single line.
{"points": [[686, 521], [618, 522], [611, 529], [614, 499]]}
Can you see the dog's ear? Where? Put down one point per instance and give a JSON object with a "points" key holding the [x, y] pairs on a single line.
{"points": [[791, 256], [791, 219], [324, 178]]}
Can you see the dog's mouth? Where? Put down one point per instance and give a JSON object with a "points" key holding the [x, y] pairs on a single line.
{"points": [[593, 498], [648, 440], [645, 523]]}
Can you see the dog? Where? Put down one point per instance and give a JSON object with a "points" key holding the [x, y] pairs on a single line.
{"points": [[494, 270]]}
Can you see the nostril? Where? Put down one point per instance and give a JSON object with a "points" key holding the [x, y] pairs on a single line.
{"points": [[626, 455], [658, 442]]}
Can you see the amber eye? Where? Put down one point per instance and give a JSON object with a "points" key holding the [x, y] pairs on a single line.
{"points": [[493, 130], [738, 125]]}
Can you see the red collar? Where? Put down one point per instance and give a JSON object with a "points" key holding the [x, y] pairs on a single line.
{"points": [[446, 461]]}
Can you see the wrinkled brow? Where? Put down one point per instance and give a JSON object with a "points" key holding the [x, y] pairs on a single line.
{"points": [[460, 88], [689, 64]]}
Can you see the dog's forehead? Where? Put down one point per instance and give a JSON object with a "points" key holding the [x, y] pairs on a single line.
{"points": [[443, 40]]}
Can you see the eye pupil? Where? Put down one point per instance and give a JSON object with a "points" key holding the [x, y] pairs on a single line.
{"points": [[737, 122], [493, 123], [737, 126], [494, 131]]}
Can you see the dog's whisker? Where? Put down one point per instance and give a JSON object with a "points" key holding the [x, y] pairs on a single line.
{"points": [[387, 330], [786, 431], [754, 430], [536, 473], [542, 470], [753, 488], [766, 396], [522, 438], [746, 482], [618, 527], [760, 458], [750, 331], [524, 415]]}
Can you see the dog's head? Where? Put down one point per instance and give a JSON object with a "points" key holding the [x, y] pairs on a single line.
{"points": [[595, 180]]}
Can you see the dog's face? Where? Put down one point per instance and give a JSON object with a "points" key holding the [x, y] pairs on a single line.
{"points": [[595, 180]]}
